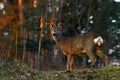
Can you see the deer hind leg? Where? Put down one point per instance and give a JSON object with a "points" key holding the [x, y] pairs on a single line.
{"points": [[102, 56], [70, 61], [92, 58]]}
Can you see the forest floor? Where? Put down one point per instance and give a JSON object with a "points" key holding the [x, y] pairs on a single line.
{"points": [[10, 72]]}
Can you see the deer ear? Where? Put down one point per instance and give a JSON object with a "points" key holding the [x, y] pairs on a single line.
{"points": [[60, 25]]}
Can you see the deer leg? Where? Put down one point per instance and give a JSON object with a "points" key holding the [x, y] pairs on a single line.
{"points": [[70, 60], [92, 58], [102, 56]]}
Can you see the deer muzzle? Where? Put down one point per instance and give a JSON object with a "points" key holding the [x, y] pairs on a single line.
{"points": [[54, 34]]}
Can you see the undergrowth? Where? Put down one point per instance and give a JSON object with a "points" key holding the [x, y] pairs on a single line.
{"points": [[12, 72]]}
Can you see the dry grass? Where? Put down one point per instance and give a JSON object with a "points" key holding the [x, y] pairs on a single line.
{"points": [[12, 72]]}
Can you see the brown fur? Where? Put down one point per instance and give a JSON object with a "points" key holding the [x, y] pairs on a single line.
{"points": [[75, 46]]}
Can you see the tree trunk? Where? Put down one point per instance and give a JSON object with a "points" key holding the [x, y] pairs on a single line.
{"points": [[20, 12]]}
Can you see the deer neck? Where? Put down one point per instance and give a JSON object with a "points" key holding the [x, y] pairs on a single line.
{"points": [[59, 39]]}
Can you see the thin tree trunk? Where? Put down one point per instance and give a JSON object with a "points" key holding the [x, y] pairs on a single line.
{"points": [[24, 46], [8, 54], [20, 12], [21, 17], [16, 42], [23, 30], [39, 49]]}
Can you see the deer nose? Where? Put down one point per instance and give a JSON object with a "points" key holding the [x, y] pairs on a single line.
{"points": [[54, 34]]}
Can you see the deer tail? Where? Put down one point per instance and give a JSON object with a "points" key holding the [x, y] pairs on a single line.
{"points": [[98, 40]]}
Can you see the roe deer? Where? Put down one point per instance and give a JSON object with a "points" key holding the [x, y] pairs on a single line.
{"points": [[88, 43]]}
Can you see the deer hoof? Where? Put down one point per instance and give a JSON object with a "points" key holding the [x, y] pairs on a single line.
{"points": [[92, 66], [68, 71]]}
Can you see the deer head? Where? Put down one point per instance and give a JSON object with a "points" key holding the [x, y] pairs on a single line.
{"points": [[55, 30]]}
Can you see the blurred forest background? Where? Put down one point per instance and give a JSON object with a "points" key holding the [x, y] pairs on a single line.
{"points": [[25, 37]]}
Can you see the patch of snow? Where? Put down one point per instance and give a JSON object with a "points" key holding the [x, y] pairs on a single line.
{"points": [[117, 0]]}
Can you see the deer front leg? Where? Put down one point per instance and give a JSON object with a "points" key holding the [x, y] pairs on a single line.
{"points": [[102, 56], [70, 61], [92, 58]]}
